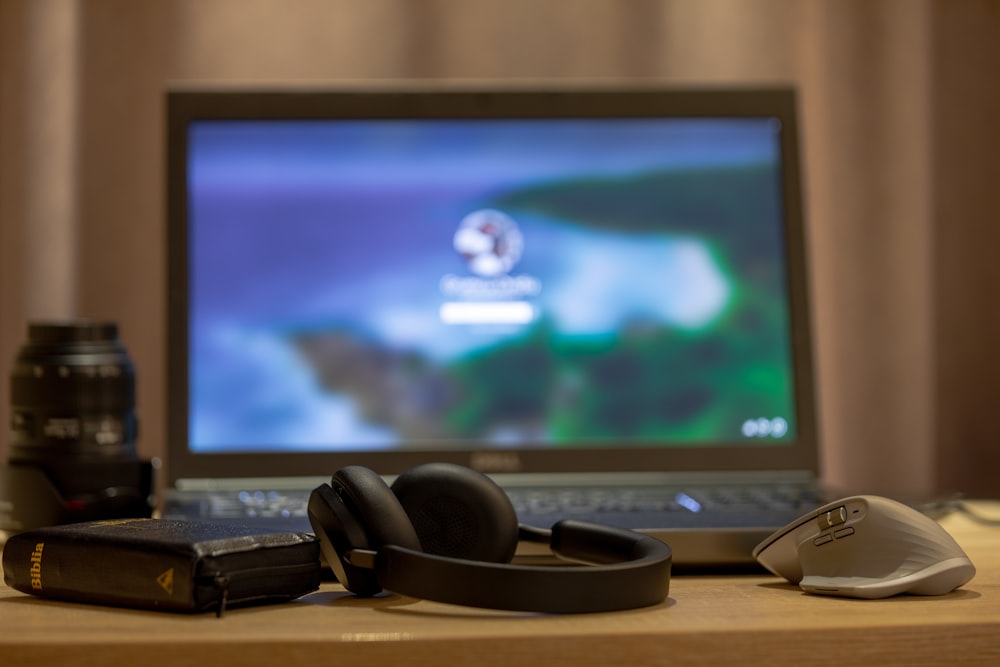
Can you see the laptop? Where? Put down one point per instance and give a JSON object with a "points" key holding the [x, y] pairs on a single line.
{"points": [[595, 294]]}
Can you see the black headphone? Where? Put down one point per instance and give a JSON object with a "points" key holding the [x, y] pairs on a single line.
{"points": [[447, 533]]}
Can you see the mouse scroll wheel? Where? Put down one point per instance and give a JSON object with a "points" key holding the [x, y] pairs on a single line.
{"points": [[834, 517]]}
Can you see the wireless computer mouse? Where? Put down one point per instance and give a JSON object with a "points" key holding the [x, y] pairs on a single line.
{"points": [[866, 547]]}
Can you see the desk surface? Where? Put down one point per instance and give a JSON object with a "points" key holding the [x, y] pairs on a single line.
{"points": [[707, 620]]}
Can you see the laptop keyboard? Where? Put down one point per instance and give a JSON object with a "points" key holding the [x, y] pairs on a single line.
{"points": [[642, 509], [256, 504], [545, 506], [726, 499]]}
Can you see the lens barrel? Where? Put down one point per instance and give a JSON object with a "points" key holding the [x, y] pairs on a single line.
{"points": [[72, 394]]}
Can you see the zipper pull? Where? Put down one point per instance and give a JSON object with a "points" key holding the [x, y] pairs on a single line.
{"points": [[222, 584]]}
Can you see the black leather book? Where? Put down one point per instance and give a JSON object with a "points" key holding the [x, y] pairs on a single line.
{"points": [[187, 566]]}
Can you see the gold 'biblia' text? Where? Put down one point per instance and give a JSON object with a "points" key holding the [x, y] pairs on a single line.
{"points": [[36, 566]]}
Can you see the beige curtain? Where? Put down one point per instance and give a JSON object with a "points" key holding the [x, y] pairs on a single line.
{"points": [[899, 105]]}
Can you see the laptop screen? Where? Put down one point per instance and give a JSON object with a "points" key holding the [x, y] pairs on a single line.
{"points": [[573, 280]]}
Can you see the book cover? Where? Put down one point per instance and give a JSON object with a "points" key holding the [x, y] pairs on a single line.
{"points": [[162, 564]]}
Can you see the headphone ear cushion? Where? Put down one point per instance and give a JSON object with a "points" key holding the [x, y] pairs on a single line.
{"points": [[458, 512], [377, 511]]}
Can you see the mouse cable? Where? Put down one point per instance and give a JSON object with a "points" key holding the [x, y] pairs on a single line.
{"points": [[956, 503]]}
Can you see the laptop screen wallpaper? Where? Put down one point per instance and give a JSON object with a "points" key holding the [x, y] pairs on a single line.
{"points": [[365, 285]]}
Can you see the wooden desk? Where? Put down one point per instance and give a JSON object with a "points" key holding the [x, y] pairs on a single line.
{"points": [[718, 620]]}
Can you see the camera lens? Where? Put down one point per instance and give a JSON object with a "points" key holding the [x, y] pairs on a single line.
{"points": [[73, 430], [72, 395]]}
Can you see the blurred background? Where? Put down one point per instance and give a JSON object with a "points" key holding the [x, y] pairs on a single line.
{"points": [[899, 109]]}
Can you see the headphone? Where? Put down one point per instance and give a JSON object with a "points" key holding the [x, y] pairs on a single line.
{"points": [[447, 533]]}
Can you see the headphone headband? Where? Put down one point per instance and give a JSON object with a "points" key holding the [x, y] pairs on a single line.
{"points": [[634, 571]]}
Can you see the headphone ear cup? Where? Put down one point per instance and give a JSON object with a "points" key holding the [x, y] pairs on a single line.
{"points": [[376, 509], [458, 512], [357, 511]]}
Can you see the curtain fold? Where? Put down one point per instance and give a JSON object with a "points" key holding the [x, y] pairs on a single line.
{"points": [[42, 220]]}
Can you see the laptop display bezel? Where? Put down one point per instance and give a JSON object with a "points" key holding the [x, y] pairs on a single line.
{"points": [[186, 105]]}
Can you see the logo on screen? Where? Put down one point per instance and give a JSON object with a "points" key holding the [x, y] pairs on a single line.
{"points": [[490, 241]]}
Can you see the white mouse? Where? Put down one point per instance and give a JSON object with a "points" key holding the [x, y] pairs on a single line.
{"points": [[866, 547]]}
